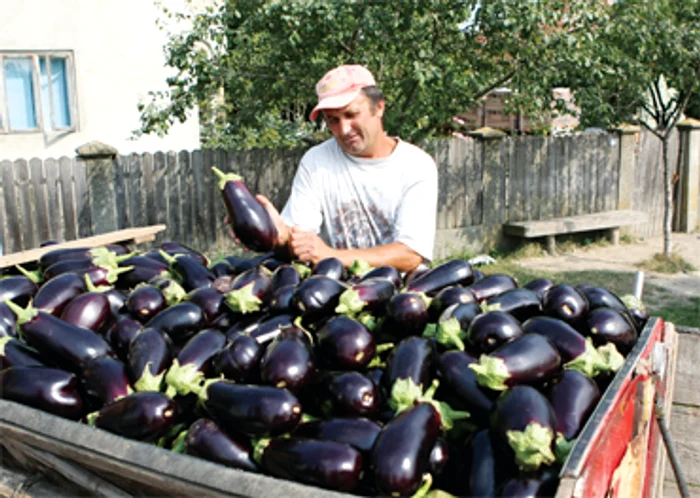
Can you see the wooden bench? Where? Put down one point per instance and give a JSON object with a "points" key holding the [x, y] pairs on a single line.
{"points": [[607, 220], [126, 236]]}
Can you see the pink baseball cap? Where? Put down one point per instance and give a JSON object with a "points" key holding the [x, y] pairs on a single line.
{"points": [[340, 86]]}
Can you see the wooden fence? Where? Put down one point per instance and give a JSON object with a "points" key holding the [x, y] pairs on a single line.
{"points": [[484, 181]]}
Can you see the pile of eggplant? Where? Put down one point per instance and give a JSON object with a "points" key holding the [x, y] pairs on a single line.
{"points": [[358, 379]]}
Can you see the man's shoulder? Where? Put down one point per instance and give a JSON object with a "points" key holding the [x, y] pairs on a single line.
{"points": [[418, 157], [324, 149]]}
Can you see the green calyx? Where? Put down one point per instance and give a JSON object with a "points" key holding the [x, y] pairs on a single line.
{"points": [[611, 357], [24, 315], [532, 447], [303, 270], [349, 303], [590, 363], [562, 448], [243, 300], [173, 292], [183, 379], [359, 267], [491, 372], [224, 178], [96, 288], [405, 394], [632, 302], [450, 334], [426, 483], [149, 382], [178, 445], [91, 418], [167, 257], [259, 449], [3, 343], [34, 276]]}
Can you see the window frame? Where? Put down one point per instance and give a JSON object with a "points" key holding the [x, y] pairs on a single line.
{"points": [[39, 111]]}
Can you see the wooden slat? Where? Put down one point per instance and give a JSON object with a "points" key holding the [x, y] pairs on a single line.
{"points": [[53, 199], [688, 371], [685, 432], [149, 187], [534, 195], [121, 209], [41, 205], [161, 189], [573, 224], [126, 236], [198, 240], [174, 197], [548, 180], [136, 191], [25, 203], [561, 176], [4, 165], [577, 183], [68, 202], [82, 198], [517, 182], [188, 204]]}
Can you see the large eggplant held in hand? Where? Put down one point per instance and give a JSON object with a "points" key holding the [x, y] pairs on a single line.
{"points": [[249, 219]]}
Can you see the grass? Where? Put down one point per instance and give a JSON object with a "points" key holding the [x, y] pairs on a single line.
{"points": [[661, 264]]}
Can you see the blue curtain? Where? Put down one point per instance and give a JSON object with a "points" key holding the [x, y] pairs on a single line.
{"points": [[20, 93]]}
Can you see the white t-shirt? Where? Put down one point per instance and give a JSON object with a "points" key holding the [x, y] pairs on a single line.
{"points": [[356, 203]]}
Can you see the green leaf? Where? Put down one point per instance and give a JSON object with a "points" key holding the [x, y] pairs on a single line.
{"points": [[532, 447]]}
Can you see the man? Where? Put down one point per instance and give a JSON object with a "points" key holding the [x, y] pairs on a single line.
{"points": [[362, 194]]}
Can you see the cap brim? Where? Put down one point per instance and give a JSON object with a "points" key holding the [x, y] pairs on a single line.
{"points": [[334, 102]]}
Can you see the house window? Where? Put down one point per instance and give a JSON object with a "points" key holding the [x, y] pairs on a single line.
{"points": [[37, 92]]}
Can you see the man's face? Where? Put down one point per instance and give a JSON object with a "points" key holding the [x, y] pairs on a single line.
{"points": [[357, 127]]}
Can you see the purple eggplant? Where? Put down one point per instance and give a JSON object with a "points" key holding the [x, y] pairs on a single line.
{"points": [[18, 289], [529, 359], [106, 379], [191, 273], [8, 321], [48, 389], [413, 274], [330, 267], [143, 269], [520, 303], [67, 345], [493, 285], [637, 311], [120, 334], [526, 486], [288, 361], [221, 268], [491, 330], [249, 219], [463, 313], [351, 394], [407, 315], [180, 321], [607, 325], [318, 296], [483, 466], [413, 359], [144, 416], [192, 365], [573, 397], [206, 440], [452, 326], [449, 296], [173, 248], [55, 294], [14, 353], [210, 300], [239, 359], [49, 258], [566, 303], [524, 424], [371, 296], [282, 299], [245, 324], [346, 344], [145, 302], [150, 355], [401, 453], [328, 464], [285, 275], [576, 351], [539, 286], [599, 297], [461, 383], [90, 310], [453, 272], [439, 458], [386, 272], [251, 409], [358, 432], [269, 327], [250, 291]]}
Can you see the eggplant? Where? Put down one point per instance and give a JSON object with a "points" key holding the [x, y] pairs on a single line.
{"points": [[145, 302], [249, 219], [251, 409], [285, 275], [453, 272], [206, 440], [576, 351], [282, 300], [68, 266], [414, 274], [67, 345], [599, 297], [413, 359], [528, 359], [493, 285], [173, 248], [607, 325], [250, 291], [483, 466], [192, 365], [439, 458], [90, 310], [401, 453], [120, 334], [449, 296], [491, 330], [345, 344], [351, 394], [18, 289], [407, 315], [524, 424], [520, 303], [543, 485], [192, 274], [460, 381], [14, 353], [171, 289], [317, 296], [386, 272], [150, 355], [8, 321], [539, 286], [49, 258], [55, 294], [239, 359], [328, 464], [637, 311], [144, 416], [106, 379], [358, 432], [143, 269], [566, 303], [48, 389], [210, 300], [245, 324], [463, 313], [179, 322], [221, 268], [573, 397], [330, 267], [270, 327], [240, 264], [371, 296], [288, 361]]}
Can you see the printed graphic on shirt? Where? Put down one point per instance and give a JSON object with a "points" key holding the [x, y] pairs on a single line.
{"points": [[355, 228]]}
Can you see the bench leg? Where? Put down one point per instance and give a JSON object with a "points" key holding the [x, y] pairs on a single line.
{"points": [[615, 236], [551, 245]]}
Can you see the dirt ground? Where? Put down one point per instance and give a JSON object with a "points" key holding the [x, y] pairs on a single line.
{"points": [[625, 256]]}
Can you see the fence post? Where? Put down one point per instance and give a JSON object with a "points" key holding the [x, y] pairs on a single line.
{"points": [[687, 205], [100, 211], [494, 185], [628, 158]]}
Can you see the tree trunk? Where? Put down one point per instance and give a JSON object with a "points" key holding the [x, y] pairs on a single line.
{"points": [[668, 200]]}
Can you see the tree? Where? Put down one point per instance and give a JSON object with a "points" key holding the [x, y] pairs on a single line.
{"points": [[250, 66], [647, 70]]}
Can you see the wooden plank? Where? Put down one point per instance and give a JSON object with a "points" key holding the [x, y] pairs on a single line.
{"points": [[160, 186], [685, 422], [548, 180], [572, 224], [53, 199], [670, 489], [473, 177], [41, 205], [199, 239], [4, 214], [450, 186], [174, 197], [688, 371], [188, 204], [127, 236], [70, 217], [517, 182], [82, 198], [25, 198], [135, 188], [120, 204], [21, 483], [576, 178], [533, 174], [560, 172]]}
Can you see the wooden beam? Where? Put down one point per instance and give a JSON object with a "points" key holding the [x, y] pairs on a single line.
{"points": [[573, 224]]}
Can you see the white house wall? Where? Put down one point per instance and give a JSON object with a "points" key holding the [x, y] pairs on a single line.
{"points": [[118, 56]]}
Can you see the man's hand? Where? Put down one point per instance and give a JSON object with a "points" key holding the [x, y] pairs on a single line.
{"points": [[307, 246], [283, 230]]}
